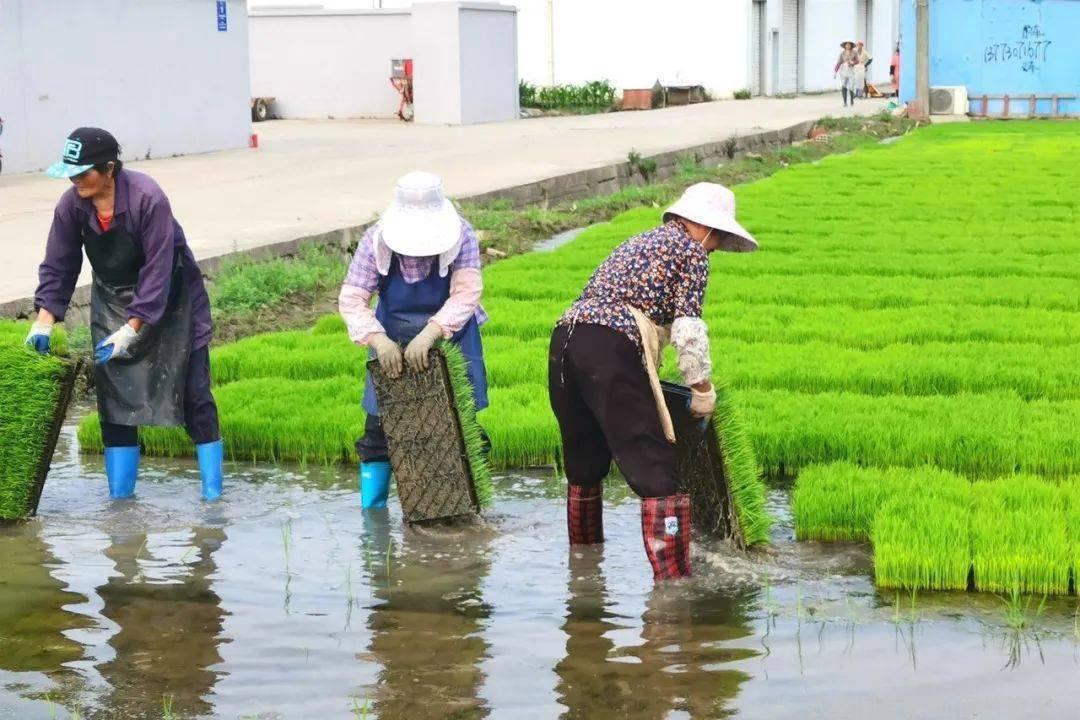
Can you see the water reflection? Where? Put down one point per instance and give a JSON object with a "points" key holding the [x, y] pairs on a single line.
{"points": [[34, 625], [426, 631], [678, 663], [162, 582]]}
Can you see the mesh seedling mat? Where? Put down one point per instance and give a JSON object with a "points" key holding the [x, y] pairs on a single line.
{"points": [[36, 402], [700, 469], [427, 446]]}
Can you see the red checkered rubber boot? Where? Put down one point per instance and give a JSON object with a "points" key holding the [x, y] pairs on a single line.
{"points": [[665, 526], [585, 514]]}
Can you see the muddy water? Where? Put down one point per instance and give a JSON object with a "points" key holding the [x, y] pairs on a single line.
{"points": [[285, 601]]}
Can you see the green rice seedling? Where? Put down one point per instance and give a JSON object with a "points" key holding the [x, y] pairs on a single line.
{"points": [[974, 434], [267, 419], [471, 431], [291, 355], [741, 468], [1070, 493], [523, 429], [1018, 536], [838, 501], [875, 292], [31, 393], [166, 708], [921, 533], [1030, 370], [329, 325]]}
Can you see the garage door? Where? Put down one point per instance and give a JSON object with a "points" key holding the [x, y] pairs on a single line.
{"points": [[756, 25], [861, 15], [789, 75]]}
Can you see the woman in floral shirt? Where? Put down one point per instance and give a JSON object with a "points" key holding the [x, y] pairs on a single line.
{"points": [[601, 375]]}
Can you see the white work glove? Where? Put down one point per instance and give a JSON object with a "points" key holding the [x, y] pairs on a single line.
{"points": [[38, 337], [388, 353], [702, 402], [416, 354], [116, 346]]}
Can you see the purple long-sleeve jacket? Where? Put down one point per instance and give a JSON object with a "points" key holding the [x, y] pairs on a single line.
{"points": [[141, 206]]}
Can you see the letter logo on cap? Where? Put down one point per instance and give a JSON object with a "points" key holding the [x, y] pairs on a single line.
{"points": [[72, 150]]}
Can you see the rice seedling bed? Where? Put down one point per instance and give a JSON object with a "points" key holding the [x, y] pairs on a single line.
{"points": [[928, 318]]}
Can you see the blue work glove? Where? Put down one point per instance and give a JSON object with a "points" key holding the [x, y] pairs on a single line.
{"points": [[115, 346], [416, 352], [38, 338]]}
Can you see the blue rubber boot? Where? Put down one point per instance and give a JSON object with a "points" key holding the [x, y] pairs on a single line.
{"points": [[211, 456], [374, 484], [121, 468]]}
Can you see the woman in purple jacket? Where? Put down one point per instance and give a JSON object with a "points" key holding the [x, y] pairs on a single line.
{"points": [[149, 312]]}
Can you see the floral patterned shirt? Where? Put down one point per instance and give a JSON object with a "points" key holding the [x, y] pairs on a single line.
{"points": [[662, 272]]}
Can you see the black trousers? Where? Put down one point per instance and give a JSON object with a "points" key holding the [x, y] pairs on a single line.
{"points": [[601, 397], [200, 410], [372, 447]]}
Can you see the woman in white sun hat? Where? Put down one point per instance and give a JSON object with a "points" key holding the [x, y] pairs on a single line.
{"points": [[602, 370], [422, 259]]}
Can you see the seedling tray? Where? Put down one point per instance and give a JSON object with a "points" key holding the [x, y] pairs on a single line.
{"points": [[700, 469], [428, 456]]}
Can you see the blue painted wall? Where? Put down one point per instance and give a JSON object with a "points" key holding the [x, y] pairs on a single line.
{"points": [[998, 47]]}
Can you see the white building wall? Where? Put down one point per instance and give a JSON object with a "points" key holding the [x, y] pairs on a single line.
{"points": [[159, 75], [332, 63], [632, 43]]}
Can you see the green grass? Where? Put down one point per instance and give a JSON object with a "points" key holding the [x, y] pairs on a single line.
{"points": [[30, 389], [247, 285]]}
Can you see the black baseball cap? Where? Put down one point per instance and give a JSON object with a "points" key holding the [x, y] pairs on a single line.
{"points": [[84, 148]]}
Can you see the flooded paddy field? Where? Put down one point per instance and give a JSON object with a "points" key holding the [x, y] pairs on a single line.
{"points": [[286, 601]]}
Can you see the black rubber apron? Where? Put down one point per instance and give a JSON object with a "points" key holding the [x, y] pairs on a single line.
{"points": [[148, 387]]}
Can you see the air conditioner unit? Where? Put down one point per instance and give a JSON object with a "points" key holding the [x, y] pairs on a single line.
{"points": [[949, 100]]}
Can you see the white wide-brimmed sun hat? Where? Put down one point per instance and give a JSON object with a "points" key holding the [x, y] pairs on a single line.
{"points": [[713, 205], [420, 221]]}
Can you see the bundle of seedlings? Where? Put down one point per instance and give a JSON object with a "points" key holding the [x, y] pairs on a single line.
{"points": [[437, 447], [716, 466], [34, 394]]}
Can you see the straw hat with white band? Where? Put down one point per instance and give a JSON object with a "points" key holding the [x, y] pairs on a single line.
{"points": [[713, 206]]}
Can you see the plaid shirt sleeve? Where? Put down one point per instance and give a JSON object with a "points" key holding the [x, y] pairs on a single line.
{"points": [[466, 286], [469, 256], [363, 272]]}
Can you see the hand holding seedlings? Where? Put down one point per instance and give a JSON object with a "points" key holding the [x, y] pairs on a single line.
{"points": [[388, 353], [416, 354]]}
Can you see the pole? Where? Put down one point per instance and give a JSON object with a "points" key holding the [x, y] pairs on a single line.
{"points": [[551, 41], [922, 57]]}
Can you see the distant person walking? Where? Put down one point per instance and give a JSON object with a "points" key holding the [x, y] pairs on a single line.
{"points": [[865, 58], [849, 70], [894, 70]]}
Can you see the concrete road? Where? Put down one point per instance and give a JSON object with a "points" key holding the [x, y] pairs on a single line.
{"points": [[310, 177]]}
